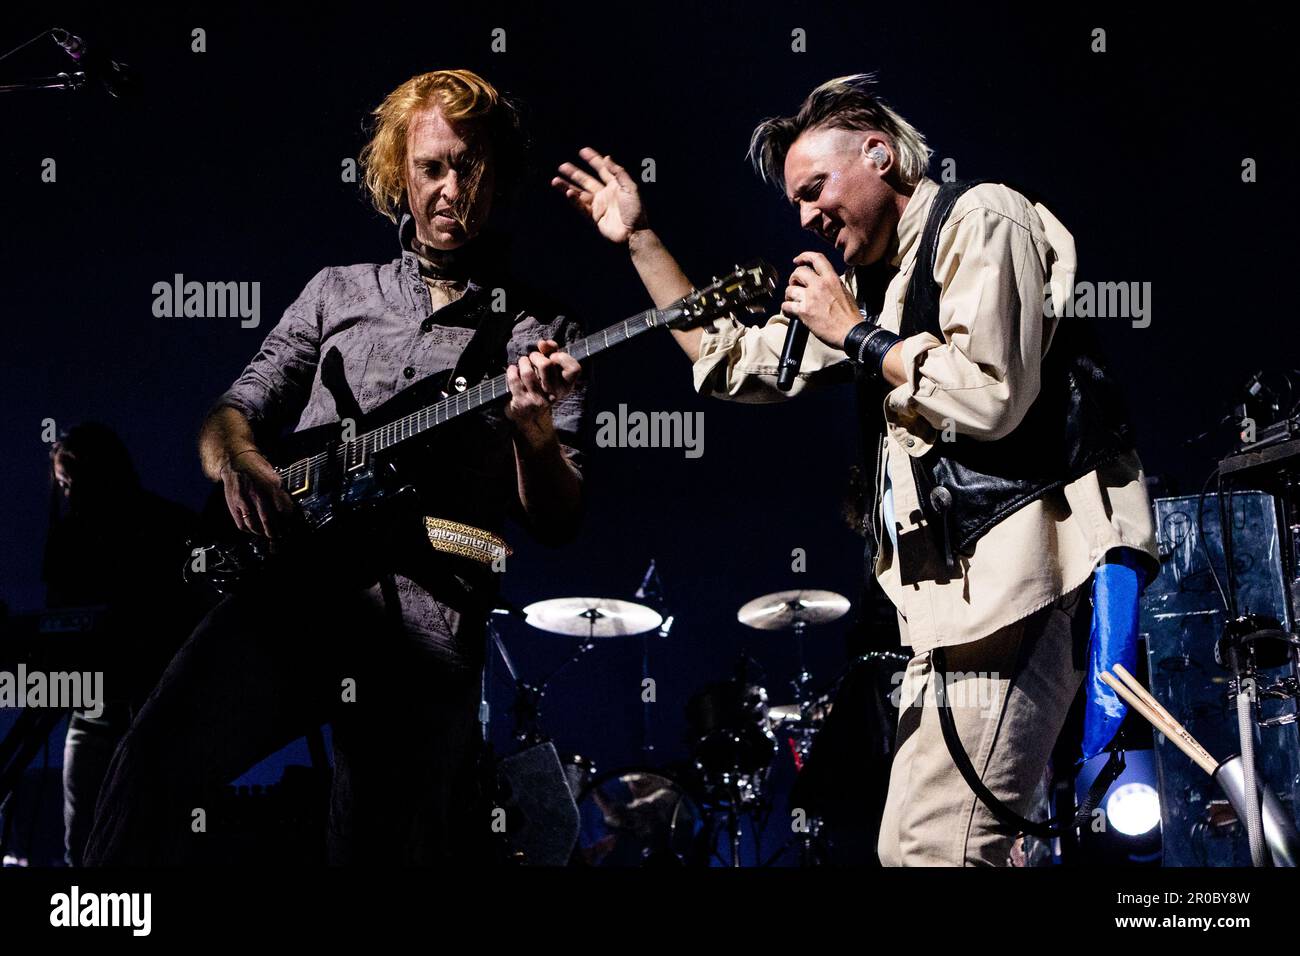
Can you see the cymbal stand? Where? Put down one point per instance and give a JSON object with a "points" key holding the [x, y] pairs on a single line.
{"points": [[653, 588], [528, 697], [802, 738]]}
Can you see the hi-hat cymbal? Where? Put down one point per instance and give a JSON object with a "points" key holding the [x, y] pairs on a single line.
{"points": [[818, 710], [592, 617], [785, 609]]}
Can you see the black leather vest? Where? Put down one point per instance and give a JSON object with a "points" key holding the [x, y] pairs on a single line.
{"points": [[966, 486]]}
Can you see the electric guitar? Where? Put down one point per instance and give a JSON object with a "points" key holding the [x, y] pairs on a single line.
{"points": [[351, 483]]}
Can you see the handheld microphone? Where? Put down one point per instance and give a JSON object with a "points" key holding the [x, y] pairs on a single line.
{"points": [[796, 340]]}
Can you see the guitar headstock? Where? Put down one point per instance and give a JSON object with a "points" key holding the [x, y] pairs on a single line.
{"points": [[747, 288]]}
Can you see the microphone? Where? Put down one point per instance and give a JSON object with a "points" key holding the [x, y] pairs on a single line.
{"points": [[796, 340], [116, 78], [646, 581], [72, 45], [941, 501]]}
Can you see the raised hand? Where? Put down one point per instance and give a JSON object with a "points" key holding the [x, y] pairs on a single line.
{"points": [[610, 198]]}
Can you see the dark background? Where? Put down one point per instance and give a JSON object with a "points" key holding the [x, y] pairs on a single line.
{"points": [[227, 166]]}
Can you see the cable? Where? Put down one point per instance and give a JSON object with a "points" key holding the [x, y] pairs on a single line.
{"points": [[1225, 539], [43, 33], [1200, 538]]}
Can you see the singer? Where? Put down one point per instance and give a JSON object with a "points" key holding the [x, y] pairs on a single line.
{"points": [[1004, 466]]}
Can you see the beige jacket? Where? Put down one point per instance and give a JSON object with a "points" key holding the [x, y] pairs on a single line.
{"points": [[997, 257]]}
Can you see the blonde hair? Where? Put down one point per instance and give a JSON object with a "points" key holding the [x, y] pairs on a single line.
{"points": [[846, 102], [463, 97]]}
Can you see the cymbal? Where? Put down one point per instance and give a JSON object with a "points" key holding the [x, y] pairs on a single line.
{"points": [[784, 714], [784, 609], [592, 617], [793, 713]]}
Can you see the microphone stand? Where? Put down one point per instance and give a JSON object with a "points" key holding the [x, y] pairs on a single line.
{"points": [[115, 77], [1249, 643], [654, 590], [60, 81], [495, 647]]}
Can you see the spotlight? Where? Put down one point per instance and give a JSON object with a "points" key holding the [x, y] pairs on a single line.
{"points": [[1133, 809]]}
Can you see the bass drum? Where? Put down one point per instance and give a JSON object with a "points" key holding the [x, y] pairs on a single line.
{"points": [[639, 816]]}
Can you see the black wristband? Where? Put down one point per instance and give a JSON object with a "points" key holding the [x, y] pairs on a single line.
{"points": [[875, 346], [867, 344], [853, 341]]}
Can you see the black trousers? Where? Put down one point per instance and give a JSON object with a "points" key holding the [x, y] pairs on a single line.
{"points": [[263, 668]]}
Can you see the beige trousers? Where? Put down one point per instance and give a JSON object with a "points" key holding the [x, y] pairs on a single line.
{"points": [[1009, 693]]}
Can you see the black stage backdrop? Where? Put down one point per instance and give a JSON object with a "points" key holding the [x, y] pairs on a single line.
{"points": [[227, 166]]}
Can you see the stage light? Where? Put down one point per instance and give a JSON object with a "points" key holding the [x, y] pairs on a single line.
{"points": [[1133, 809]]}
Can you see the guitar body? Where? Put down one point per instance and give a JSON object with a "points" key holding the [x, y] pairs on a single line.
{"points": [[344, 502], [348, 486]]}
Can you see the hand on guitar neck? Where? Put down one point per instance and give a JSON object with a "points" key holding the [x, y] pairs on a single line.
{"points": [[536, 382], [549, 487]]}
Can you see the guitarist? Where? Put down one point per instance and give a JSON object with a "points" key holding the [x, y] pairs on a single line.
{"points": [[386, 643]]}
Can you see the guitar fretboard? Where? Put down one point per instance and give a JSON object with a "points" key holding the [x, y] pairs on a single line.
{"points": [[461, 403]]}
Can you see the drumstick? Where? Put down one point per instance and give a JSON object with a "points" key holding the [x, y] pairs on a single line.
{"points": [[1150, 700], [1147, 697], [1169, 727]]}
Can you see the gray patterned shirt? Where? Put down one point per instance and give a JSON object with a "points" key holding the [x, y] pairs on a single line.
{"points": [[389, 336]]}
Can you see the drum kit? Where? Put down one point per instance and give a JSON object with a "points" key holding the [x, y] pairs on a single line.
{"points": [[692, 813]]}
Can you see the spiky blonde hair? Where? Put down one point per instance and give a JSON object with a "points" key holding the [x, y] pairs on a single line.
{"points": [[464, 97], [846, 102]]}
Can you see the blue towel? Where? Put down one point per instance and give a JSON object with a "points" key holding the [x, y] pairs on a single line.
{"points": [[1116, 588]]}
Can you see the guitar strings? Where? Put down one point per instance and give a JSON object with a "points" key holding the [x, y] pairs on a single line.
{"points": [[461, 403], [473, 398]]}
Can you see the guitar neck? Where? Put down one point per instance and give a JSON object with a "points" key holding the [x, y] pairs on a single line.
{"points": [[461, 403]]}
